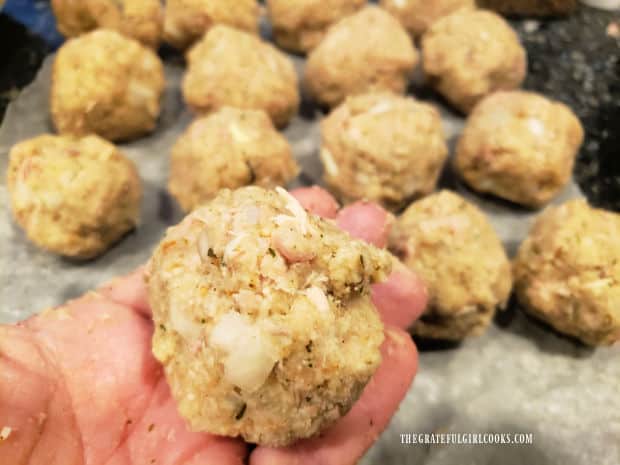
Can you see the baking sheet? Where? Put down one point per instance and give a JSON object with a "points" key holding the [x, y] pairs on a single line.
{"points": [[518, 377]]}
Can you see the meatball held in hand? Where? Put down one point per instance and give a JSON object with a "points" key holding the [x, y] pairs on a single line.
{"points": [[106, 84], [234, 68], [471, 53], [139, 19], [228, 149], [453, 247], [519, 146], [263, 318], [418, 15], [366, 51], [186, 21], [73, 196], [299, 25], [382, 147], [567, 272]]}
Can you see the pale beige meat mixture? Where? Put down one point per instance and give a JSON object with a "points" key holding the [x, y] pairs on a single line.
{"points": [[299, 25], [263, 319], [73, 196], [106, 84], [369, 50], [234, 68], [519, 146], [186, 21], [471, 53], [418, 15], [382, 147], [457, 253], [139, 19], [567, 272], [229, 148]]}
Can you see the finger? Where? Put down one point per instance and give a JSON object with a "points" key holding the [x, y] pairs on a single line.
{"points": [[401, 299], [366, 221], [347, 440], [129, 290], [317, 200]]}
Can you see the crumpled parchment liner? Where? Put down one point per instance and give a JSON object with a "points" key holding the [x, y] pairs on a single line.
{"points": [[518, 377]]}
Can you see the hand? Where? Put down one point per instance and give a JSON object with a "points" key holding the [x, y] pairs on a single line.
{"points": [[79, 386]]}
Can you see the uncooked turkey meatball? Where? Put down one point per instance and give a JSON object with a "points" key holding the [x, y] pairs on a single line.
{"points": [[519, 146], [418, 15], [452, 246], [186, 21], [107, 84], [73, 196], [382, 147], [567, 272], [366, 51], [299, 25], [263, 318], [233, 68], [139, 19], [228, 149], [471, 53]]}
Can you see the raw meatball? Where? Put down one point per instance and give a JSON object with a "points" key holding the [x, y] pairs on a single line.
{"points": [[186, 21], [106, 84], [471, 53], [452, 246], [368, 50], [229, 148], [73, 196], [299, 25], [567, 272], [382, 147], [418, 15], [233, 68], [139, 19], [519, 146], [263, 319]]}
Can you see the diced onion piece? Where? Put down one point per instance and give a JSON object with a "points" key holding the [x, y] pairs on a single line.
{"points": [[5, 432], [238, 134], [328, 161], [250, 356], [182, 323], [232, 245], [318, 299], [536, 126], [381, 107], [293, 205], [202, 243]]}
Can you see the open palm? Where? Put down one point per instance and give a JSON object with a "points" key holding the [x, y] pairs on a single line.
{"points": [[79, 386]]}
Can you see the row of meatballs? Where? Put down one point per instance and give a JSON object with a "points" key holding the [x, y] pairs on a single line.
{"points": [[297, 25], [566, 272], [377, 146], [108, 84]]}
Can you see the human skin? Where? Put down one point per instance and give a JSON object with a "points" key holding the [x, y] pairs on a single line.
{"points": [[91, 393]]}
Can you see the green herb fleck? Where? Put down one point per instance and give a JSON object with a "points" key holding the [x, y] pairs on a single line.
{"points": [[211, 253], [271, 252], [241, 412]]}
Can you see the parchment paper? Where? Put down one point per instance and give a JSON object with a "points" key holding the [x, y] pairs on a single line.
{"points": [[518, 377]]}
